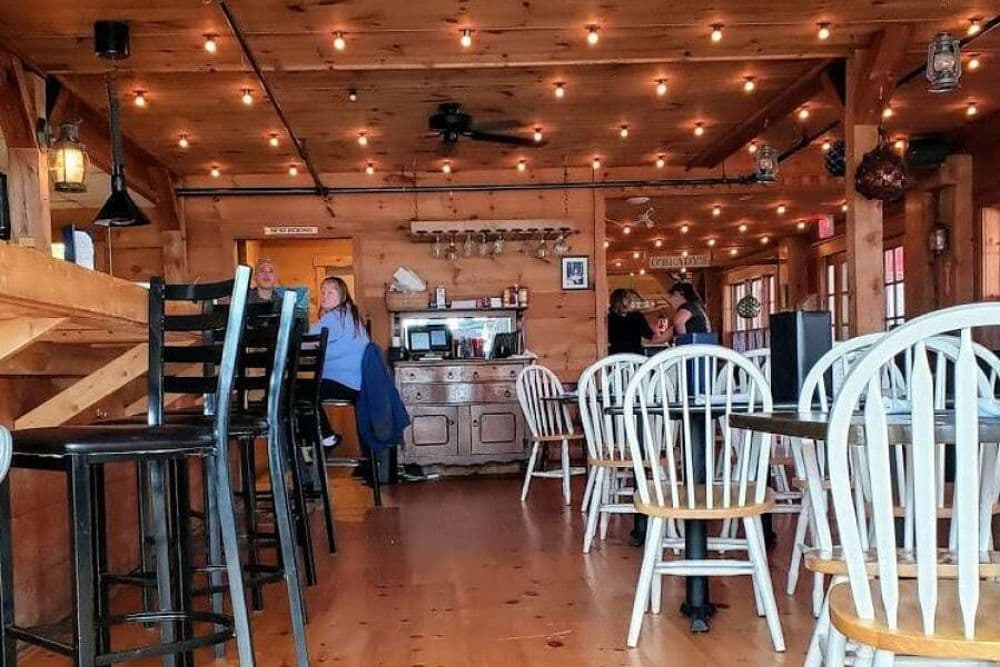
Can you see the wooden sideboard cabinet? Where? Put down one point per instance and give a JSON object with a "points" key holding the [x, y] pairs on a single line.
{"points": [[463, 412]]}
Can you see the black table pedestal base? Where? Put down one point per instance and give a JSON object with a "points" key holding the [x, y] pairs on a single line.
{"points": [[699, 616], [696, 605]]}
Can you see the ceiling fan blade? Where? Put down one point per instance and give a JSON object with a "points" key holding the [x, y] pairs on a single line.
{"points": [[508, 139], [500, 125]]}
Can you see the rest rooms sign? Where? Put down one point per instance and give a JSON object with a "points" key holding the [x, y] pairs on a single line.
{"points": [[289, 230], [679, 261]]}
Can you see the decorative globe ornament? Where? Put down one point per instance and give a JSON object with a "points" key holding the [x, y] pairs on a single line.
{"points": [[748, 307], [765, 166], [881, 175], [834, 160], [944, 63]]}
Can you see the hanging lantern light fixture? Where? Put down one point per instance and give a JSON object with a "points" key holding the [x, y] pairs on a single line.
{"points": [[765, 166], [68, 160], [944, 63]]}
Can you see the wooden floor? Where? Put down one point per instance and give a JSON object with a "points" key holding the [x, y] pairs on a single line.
{"points": [[458, 573]]}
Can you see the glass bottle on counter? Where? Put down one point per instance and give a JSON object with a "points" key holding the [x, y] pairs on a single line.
{"points": [[522, 297]]}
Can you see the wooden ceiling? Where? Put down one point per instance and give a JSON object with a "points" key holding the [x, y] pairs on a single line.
{"points": [[404, 58]]}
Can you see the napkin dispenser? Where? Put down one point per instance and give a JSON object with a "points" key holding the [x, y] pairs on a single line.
{"points": [[798, 339]]}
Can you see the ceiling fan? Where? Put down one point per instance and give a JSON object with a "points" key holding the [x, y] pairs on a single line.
{"points": [[450, 123], [644, 218]]}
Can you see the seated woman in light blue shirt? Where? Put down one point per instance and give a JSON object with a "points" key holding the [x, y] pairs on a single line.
{"points": [[345, 347]]}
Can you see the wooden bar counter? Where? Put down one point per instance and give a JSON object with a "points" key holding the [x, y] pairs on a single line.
{"points": [[73, 348]]}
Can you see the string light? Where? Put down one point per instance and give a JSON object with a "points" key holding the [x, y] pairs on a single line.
{"points": [[211, 45], [623, 132], [843, 207], [684, 253], [446, 167], [538, 135], [560, 90], [363, 138], [699, 129], [749, 84], [764, 240], [247, 96], [522, 164], [642, 272], [975, 25], [743, 228], [826, 145], [183, 142], [733, 252], [140, 98], [824, 31], [607, 244], [658, 243], [660, 161], [716, 211], [215, 172], [782, 209], [973, 63], [661, 87], [626, 231], [801, 225], [971, 109], [752, 147], [804, 113], [339, 42], [593, 35], [466, 39], [370, 169], [899, 145], [717, 32], [711, 243], [352, 95], [887, 113], [596, 163], [684, 229], [636, 254], [293, 170], [273, 141]]}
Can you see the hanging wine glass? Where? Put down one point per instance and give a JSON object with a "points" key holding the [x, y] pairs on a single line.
{"points": [[541, 250], [452, 254], [469, 247], [561, 247], [484, 243], [437, 250], [498, 244]]}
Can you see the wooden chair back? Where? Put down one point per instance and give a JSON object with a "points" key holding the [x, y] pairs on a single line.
{"points": [[546, 418], [601, 387]]}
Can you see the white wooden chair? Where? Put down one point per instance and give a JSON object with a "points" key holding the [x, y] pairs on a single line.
{"points": [[6, 452], [601, 387], [930, 601], [549, 422], [666, 483]]}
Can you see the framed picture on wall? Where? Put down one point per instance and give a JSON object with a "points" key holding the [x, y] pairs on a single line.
{"points": [[575, 273]]}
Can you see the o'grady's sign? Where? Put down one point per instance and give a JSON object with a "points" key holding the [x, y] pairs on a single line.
{"points": [[679, 261], [291, 230]]}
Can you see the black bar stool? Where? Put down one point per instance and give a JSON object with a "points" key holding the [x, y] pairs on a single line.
{"points": [[81, 452]]}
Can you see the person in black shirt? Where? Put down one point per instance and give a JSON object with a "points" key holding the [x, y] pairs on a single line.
{"points": [[689, 313], [627, 327]]}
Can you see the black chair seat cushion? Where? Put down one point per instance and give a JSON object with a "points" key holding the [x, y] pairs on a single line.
{"points": [[59, 441], [240, 425]]}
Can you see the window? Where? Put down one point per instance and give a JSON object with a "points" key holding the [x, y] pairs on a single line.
{"points": [[752, 333], [837, 298], [892, 276]]}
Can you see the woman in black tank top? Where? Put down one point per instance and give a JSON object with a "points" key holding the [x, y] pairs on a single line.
{"points": [[689, 313]]}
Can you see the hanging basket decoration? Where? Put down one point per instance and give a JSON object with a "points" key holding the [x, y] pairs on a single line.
{"points": [[882, 173], [748, 307], [834, 161]]}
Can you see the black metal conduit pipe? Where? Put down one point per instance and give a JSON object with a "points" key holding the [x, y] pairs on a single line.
{"points": [[248, 53]]}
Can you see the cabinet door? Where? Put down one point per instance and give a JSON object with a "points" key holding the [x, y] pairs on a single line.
{"points": [[497, 429], [433, 432]]}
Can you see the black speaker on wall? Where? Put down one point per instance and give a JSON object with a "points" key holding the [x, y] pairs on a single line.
{"points": [[4, 210], [798, 339]]}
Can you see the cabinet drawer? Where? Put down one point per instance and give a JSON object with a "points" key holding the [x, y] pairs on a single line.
{"points": [[496, 392], [497, 429], [433, 432], [490, 372], [422, 375]]}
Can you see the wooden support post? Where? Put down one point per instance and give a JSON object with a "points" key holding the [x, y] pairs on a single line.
{"points": [[917, 259], [960, 263], [793, 271], [600, 277]]}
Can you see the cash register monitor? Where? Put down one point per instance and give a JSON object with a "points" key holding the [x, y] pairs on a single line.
{"points": [[419, 341], [433, 340]]}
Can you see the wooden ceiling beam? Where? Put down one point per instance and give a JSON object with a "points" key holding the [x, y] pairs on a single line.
{"points": [[878, 71], [17, 112], [805, 88], [143, 172]]}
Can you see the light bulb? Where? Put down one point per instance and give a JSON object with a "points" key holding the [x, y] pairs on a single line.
{"points": [[804, 113], [899, 145], [826, 145], [843, 207], [352, 95], [370, 169], [446, 167], [642, 272], [699, 129], [215, 172], [211, 45], [743, 228], [752, 147], [626, 231], [183, 141], [273, 141], [684, 229], [887, 113], [593, 35], [733, 252], [607, 243], [973, 63], [764, 240], [660, 162], [363, 138], [636, 254], [716, 211], [749, 85], [711, 243], [339, 42], [684, 253], [970, 109], [661, 87], [560, 90], [824, 31], [538, 135], [975, 25], [801, 225], [717, 32], [293, 170], [596, 163], [658, 243], [140, 98], [623, 132], [466, 39], [782, 209], [247, 96], [522, 164]]}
